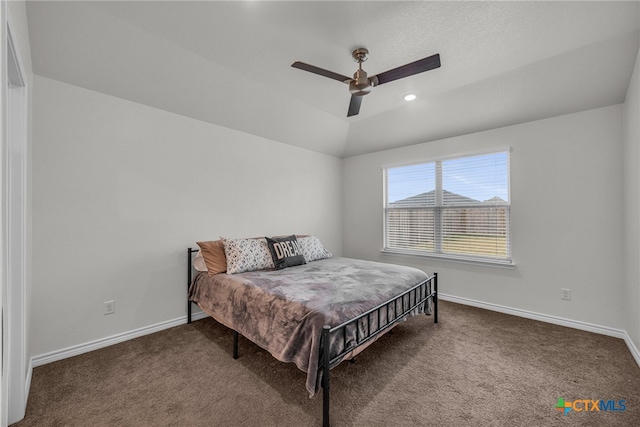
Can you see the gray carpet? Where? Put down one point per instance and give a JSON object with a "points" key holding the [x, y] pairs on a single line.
{"points": [[474, 368]]}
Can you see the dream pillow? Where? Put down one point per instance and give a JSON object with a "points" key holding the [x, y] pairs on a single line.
{"points": [[285, 252]]}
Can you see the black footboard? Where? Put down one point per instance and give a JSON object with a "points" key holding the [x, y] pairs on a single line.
{"points": [[408, 301]]}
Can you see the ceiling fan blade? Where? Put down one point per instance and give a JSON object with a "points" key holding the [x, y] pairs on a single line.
{"points": [[321, 71], [354, 105], [416, 67]]}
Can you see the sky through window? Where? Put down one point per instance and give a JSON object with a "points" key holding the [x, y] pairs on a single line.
{"points": [[480, 178]]}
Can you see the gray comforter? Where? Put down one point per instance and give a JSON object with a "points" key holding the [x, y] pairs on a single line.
{"points": [[283, 311]]}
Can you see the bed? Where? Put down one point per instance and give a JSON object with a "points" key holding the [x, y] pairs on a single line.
{"points": [[294, 312]]}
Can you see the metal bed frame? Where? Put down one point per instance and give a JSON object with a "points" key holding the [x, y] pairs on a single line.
{"points": [[412, 299]]}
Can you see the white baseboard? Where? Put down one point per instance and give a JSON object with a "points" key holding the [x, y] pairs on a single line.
{"points": [[575, 324], [64, 353], [632, 348], [115, 339]]}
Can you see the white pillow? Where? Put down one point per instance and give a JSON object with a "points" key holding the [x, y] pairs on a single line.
{"points": [[312, 248], [198, 262], [247, 255]]}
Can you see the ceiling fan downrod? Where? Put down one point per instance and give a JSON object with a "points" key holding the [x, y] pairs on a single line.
{"points": [[361, 84]]}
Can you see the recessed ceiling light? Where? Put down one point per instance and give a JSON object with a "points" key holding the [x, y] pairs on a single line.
{"points": [[409, 97]]}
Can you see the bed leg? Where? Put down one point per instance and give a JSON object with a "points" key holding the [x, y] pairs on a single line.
{"points": [[435, 297], [235, 344], [325, 375]]}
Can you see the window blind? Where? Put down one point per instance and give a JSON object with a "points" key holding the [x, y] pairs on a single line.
{"points": [[457, 208]]}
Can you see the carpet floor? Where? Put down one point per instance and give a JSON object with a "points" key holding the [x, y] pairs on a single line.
{"points": [[474, 368]]}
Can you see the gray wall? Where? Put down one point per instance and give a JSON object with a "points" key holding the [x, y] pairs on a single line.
{"points": [[566, 214], [632, 205], [120, 190]]}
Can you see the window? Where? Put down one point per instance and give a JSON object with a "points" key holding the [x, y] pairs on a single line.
{"points": [[456, 208]]}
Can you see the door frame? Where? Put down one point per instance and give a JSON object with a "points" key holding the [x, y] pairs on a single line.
{"points": [[16, 371]]}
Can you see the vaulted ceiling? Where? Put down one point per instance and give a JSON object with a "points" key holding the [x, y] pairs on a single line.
{"points": [[229, 63]]}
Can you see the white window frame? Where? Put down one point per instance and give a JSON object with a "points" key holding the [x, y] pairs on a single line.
{"points": [[438, 210]]}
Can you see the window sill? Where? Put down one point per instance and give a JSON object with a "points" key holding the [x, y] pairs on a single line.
{"points": [[481, 262]]}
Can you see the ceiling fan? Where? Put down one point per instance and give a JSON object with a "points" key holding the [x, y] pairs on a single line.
{"points": [[361, 85]]}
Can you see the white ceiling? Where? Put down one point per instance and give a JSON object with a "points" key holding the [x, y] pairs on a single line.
{"points": [[228, 63]]}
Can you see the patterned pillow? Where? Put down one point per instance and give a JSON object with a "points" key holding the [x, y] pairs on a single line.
{"points": [[285, 252], [247, 255], [312, 248]]}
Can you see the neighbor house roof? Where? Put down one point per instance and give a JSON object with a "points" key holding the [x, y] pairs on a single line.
{"points": [[429, 199]]}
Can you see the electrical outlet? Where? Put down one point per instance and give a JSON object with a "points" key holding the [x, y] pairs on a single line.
{"points": [[566, 294], [109, 307]]}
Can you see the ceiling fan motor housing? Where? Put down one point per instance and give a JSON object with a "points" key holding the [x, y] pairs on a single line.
{"points": [[360, 85]]}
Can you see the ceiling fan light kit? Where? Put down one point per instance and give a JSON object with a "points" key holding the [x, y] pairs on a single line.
{"points": [[361, 84]]}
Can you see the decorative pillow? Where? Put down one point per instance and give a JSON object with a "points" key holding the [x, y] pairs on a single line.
{"points": [[198, 262], [312, 248], [247, 255], [285, 252], [214, 258]]}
